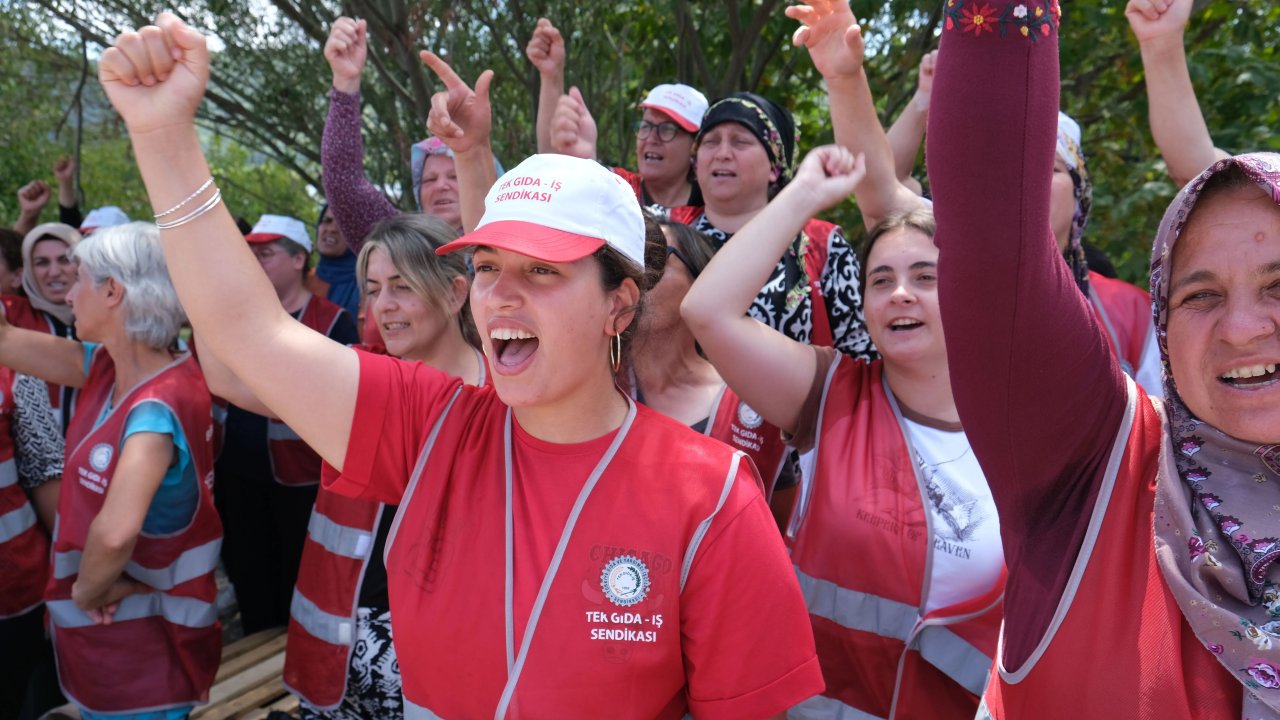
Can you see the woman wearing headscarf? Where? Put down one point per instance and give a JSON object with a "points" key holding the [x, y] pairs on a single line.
{"points": [[47, 276], [1141, 535], [745, 154], [1123, 309]]}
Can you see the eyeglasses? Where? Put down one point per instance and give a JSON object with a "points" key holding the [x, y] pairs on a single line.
{"points": [[666, 130]]}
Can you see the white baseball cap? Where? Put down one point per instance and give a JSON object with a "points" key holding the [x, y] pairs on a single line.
{"points": [[276, 227], [684, 104], [103, 217], [559, 209]]}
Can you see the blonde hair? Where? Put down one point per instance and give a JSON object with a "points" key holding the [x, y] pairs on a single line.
{"points": [[410, 242]]}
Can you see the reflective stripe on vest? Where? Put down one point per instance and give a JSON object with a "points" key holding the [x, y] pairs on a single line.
{"points": [[185, 611], [855, 610], [333, 629], [339, 539], [17, 521], [8, 473], [955, 657], [821, 707], [191, 564], [280, 431], [413, 711]]}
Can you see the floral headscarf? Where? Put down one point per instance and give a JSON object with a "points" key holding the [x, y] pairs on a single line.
{"points": [[771, 123], [1072, 154], [418, 159], [1217, 533]]}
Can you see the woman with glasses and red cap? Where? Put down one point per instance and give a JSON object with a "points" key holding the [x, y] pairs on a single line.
{"points": [[671, 116], [544, 561]]}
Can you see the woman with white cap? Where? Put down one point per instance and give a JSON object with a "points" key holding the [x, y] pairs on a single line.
{"points": [[542, 562], [672, 114]]}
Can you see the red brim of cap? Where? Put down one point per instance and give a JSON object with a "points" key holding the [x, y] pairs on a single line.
{"points": [[263, 237], [676, 117], [537, 241]]}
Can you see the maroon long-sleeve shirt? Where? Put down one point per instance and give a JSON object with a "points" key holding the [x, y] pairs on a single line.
{"points": [[1038, 391], [356, 203]]}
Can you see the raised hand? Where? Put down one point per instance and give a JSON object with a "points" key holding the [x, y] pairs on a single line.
{"points": [[460, 117], [347, 49], [573, 130], [65, 170], [32, 198], [546, 48], [156, 76], [830, 31], [924, 83], [828, 174], [1158, 19]]}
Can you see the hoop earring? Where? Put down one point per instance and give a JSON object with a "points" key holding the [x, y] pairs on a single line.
{"points": [[615, 352]]}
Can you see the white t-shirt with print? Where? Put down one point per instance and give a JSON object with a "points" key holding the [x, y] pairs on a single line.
{"points": [[968, 556]]}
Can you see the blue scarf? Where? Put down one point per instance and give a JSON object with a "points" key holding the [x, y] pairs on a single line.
{"points": [[340, 273]]}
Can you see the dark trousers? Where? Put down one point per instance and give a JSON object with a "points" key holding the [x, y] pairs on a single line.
{"points": [[264, 527], [28, 677]]}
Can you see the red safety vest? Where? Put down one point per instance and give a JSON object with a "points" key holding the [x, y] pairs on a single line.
{"points": [[737, 425], [1125, 312], [813, 257], [24, 545], [19, 312], [293, 462], [322, 616], [1118, 646], [162, 648], [862, 547]]}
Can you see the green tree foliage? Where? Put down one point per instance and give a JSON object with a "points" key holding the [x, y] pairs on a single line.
{"points": [[267, 96]]}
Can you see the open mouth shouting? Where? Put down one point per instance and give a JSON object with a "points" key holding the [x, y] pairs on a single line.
{"points": [[512, 349], [904, 325]]}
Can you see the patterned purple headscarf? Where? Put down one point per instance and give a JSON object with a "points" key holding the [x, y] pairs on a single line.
{"points": [[1216, 523]]}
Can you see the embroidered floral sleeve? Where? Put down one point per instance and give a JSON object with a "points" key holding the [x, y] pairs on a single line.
{"points": [[1032, 20]]}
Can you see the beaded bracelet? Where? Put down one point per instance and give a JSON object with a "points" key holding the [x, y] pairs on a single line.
{"points": [[190, 197], [208, 205]]}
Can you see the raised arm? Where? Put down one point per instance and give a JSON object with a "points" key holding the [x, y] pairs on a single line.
{"points": [[834, 39], [769, 371], [1174, 113], [64, 171], [546, 52], [156, 78], [1036, 385], [53, 359], [462, 118], [907, 132], [356, 203]]}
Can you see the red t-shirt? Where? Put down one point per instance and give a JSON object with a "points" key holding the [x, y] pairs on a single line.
{"points": [[670, 501]]}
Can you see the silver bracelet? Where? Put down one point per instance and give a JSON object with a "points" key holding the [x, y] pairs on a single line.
{"points": [[190, 197], [208, 205]]}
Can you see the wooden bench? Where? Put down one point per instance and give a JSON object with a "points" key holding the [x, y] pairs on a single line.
{"points": [[249, 684]]}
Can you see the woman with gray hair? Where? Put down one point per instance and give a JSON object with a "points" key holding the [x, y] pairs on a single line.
{"points": [[137, 538]]}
